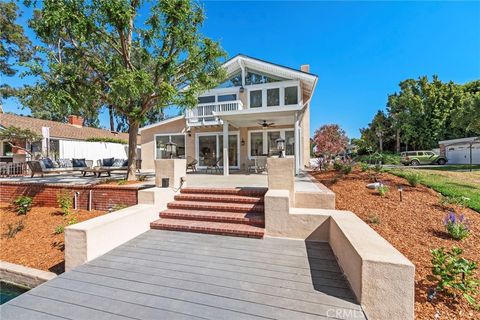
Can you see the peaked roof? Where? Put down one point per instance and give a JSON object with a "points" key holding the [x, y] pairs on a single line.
{"points": [[57, 129], [308, 80]]}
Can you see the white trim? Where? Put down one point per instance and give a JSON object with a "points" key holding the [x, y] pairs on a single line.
{"points": [[169, 139], [160, 123], [295, 107], [265, 139], [217, 134], [465, 140]]}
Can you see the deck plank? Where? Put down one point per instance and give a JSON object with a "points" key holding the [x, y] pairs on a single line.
{"points": [[174, 275]]}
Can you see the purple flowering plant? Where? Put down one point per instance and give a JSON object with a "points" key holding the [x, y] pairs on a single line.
{"points": [[457, 227]]}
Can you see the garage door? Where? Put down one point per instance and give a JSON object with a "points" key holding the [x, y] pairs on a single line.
{"points": [[461, 154]]}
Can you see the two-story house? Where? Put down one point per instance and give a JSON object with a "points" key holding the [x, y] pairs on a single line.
{"points": [[240, 119]]}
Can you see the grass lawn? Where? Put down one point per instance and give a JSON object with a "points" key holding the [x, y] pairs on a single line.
{"points": [[453, 184], [454, 167]]}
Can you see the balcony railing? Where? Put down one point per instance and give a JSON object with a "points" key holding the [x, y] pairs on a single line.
{"points": [[203, 113]]}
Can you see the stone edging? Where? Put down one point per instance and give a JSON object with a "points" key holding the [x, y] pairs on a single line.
{"points": [[23, 276]]}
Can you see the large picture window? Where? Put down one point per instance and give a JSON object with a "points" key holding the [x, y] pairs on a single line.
{"points": [[162, 140], [265, 142], [273, 97], [256, 143]]}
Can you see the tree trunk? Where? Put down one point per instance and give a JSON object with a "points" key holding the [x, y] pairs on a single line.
{"points": [[132, 149], [110, 113], [398, 141], [381, 143]]}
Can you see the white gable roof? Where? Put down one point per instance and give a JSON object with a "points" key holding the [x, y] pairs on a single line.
{"points": [[240, 61]]}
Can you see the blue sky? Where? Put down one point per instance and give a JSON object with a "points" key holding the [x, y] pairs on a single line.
{"points": [[359, 50]]}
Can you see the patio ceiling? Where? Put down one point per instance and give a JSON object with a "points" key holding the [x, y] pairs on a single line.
{"points": [[251, 117]]}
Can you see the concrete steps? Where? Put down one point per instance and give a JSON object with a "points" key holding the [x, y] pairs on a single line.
{"points": [[224, 211]]}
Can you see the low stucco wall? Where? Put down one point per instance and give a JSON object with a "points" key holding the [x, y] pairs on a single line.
{"points": [[381, 278], [90, 239]]}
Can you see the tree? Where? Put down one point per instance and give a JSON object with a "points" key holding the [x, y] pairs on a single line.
{"points": [[330, 139], [106, 51], [14, 45], [18, 138]]}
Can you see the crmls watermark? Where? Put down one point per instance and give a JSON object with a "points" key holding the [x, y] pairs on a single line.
{"points": [[345, 313]]}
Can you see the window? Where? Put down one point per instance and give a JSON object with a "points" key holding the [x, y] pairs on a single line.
{"points": [[272, 137], [161, 141], [289, 143], [256, 143], [411, 154], [7, 149], [273, 97], [256, 99], [207, 99], [233, 81], [258, 78], [291, 95], [227, 97]]}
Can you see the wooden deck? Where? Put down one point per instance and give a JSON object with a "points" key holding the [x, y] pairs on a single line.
{"points": [[174, 275]]}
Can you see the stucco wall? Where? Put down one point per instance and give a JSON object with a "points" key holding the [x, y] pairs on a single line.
{"points": [[305, 147], [148, 140]]}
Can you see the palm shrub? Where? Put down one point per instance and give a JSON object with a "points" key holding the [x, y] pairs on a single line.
{"points": [[455, 274], [23, 204], [337, 165], [346, 168], [456, 227], [364, 166], [413, 178]]}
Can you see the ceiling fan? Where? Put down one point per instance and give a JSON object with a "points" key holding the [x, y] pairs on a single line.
{"points": [[266, 124]]}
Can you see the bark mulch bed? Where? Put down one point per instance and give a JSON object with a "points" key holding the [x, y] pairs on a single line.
{"points": [[413, 226], [36, 246]]}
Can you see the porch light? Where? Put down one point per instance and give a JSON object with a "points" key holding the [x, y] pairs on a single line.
{"points": [[243, 142], [280, 147], [171, 149], [242, 89]]}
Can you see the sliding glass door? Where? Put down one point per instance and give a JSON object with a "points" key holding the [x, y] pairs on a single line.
{"points": [[209, 148]]}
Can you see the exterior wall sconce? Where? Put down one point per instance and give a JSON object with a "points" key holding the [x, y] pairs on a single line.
{"points": [[242, 89], [243, 142], [171, 149], [280, 147], [189, 131]]}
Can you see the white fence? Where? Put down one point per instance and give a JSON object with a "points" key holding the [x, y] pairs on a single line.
{"points": [[92, 150]]}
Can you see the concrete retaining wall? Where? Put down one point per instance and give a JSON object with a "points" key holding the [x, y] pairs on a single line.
{"points": [[23, 276]]}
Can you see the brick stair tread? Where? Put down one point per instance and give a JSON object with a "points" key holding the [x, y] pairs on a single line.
{"points": [[217, 216], [255, 192], [222, 228], [218, 198], [216, 206]]}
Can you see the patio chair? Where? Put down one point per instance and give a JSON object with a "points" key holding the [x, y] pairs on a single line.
{"points": [[258, 164], [192, 163], [213, 164]]}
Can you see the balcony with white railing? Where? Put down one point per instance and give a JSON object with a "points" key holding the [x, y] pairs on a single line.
{"points": [[203, 114]]}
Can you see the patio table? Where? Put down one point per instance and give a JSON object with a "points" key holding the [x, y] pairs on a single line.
{"points": [[96, 171]]}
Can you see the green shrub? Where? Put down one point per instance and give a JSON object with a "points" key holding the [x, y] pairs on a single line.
{"points": [[456, 226], [456, 200], [15, 228], [22, 204], [413, 178], [364, 166], [59, 229], [455, 274], [122, 182], [118, 206], [111, 140], [347, 168], [64, 200], [383, 190], [337, 166]]}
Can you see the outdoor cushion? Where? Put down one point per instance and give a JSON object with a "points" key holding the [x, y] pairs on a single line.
{"points": [[108, 162], [78, 163], [118, 163], [48, 163], [65, 163]]}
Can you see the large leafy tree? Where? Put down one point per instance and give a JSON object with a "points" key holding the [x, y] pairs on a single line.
{"points": [[15, 47], [104, 53]]}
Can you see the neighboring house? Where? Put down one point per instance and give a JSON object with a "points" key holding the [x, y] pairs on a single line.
{"points": [[67, 140], [459, 151], [259, 103]]}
